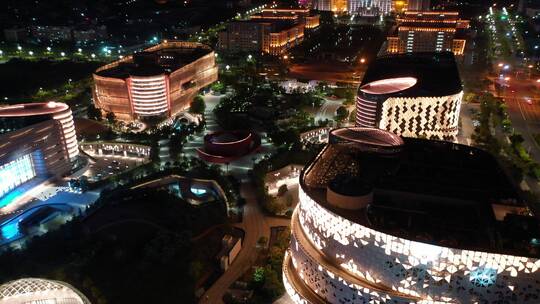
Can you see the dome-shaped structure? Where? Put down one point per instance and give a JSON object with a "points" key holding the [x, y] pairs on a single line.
{"points": [[33, 290]]}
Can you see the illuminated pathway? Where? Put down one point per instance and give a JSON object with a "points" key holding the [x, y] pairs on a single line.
{"points": [[255, 224]]}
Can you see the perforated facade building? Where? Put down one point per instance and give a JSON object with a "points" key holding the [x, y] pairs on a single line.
{"points": [[383, 219], [413, 95]]}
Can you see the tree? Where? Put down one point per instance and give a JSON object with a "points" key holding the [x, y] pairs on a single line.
{"points": [[349, 97], [111, 117], [259, 275], [197, 106], [94, 113], [218, 87], [342, 113], [282, 190]]}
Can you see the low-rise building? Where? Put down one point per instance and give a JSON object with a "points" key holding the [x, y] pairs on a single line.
{"points": [[52, 33], [231, 246], [159, 82], [428, 31], [16, 34], [273, 31]]}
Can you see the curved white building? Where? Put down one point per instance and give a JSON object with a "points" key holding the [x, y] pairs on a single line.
{"points": [[413, 95], [36, 140], [404, 229], [40, 291]]}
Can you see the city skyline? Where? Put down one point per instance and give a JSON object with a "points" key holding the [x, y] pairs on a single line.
{"points": [[254, 151]]}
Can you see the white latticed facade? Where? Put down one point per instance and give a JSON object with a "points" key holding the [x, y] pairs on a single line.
{"points": [[40, 291], [336, 259], [428, 117]]}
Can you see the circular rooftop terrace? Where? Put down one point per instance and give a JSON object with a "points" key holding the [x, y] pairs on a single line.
{"points": [[388, 86], [33, 109]]}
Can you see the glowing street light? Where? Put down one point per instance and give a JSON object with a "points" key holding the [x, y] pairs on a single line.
{"points": [[30, 53], [62, 54], [362, 60], [500, 65], [48, 49], [1, 52], [228, 67], [79, 50], [19, 48], [93, 55]]}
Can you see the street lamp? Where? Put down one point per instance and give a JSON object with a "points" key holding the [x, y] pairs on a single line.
{"points": [[30, 53], [48, 49], [62, 54], [227, 67], [79, 50], [19, 47]]}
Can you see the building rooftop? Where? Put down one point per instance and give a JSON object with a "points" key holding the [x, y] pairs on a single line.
{"points": [[32, 109], [436, 74], [277, 25], [431, 191], [160, 59]]}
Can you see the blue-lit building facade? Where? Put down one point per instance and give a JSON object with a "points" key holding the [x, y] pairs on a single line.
{"points": [[37, 140]]}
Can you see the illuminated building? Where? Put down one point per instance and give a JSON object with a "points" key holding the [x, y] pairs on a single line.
{"points": [[355, 6], [413, 95], [37, 140], [269, 36], [400, 5], [273, 31], [423, 31], [297, 15], [419, 5], [227, 146], [158, 83], [385, 219], [323, 5], [33, 290]]}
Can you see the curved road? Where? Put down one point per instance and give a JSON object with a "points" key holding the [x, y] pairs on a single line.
{"points": [[255, 224]]}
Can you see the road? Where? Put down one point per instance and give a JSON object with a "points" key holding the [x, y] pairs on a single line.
{"points": [[255, 224], [524, 111]]}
